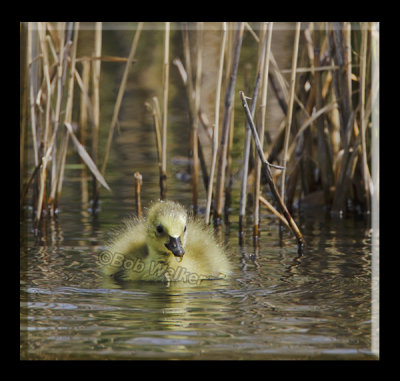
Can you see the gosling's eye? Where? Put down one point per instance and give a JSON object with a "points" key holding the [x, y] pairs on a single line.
{"points": [[159, 229]]}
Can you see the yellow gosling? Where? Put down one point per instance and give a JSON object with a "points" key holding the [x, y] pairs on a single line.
{"points": [[165, 246]]}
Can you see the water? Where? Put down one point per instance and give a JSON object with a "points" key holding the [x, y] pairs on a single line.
{"points": [[278, 304]]}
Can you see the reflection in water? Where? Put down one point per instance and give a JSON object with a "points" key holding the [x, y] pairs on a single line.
{"points": [[277, 305]]}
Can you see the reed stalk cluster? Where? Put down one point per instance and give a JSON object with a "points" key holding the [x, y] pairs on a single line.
{"points": [[321, 154], [50, 72]]}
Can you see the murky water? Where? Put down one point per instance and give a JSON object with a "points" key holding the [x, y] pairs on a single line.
{"points": [[278, 304]]}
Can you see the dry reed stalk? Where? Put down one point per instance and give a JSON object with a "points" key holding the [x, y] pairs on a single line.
{"points": [[290, 106], [44, 137], [195, 120], [60, 89], [363, 68], [263, 107], [203, 165], [375, 163], [216, 125], [323, 147], [347, 53], [120, 95], [247, 146], [24, 68], [96, 69], [346, 115], [154, 108], [226, 122], [83, 121], [30, 45], [104, 59], [84, 100], [195, 116], [307, 123], [86, 157], [163, 178], [228, 171], [340, 79], [188, 67], [271, 208], [83, 84], [266, 167], [68, 110], [138, 183]]}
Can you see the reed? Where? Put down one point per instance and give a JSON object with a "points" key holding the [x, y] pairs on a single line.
{"points": [[120, 95], [68, 112], [164, 115], [246, 152], [44, 137], [324, 153], [216, 125], [289, 114], [138, 185], [323, 143], [83, 122], [154, 108], [267, 171], [96, 64], [226, 124], [53, 200], [257, 174], [54, 50], [366, 178], [195, 119]]}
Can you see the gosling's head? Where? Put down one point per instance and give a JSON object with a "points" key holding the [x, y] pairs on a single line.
{"points": [[166, 228]]}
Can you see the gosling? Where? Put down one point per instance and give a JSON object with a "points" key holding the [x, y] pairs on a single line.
{"points": [[166, 246]]}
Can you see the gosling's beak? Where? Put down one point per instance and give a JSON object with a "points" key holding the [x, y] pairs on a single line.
{"points": [[175, 245]]}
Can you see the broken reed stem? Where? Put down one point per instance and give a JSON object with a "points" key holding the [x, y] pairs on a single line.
{"points": [[274, 211], [266, 167], [120, 95], [226, 123], [290, 106], [195, 120], [263, 106], [216, 125], [163, 177], [138, 183]]}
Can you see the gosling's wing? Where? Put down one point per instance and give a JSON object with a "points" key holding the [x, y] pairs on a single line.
{"points": [[128, 244], [204, 250]]}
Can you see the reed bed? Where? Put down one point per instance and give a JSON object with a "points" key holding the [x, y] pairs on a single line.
{"points": [[320, 157]]}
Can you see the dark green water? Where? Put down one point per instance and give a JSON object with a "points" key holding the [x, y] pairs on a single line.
{"points": [[277, 305]]}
